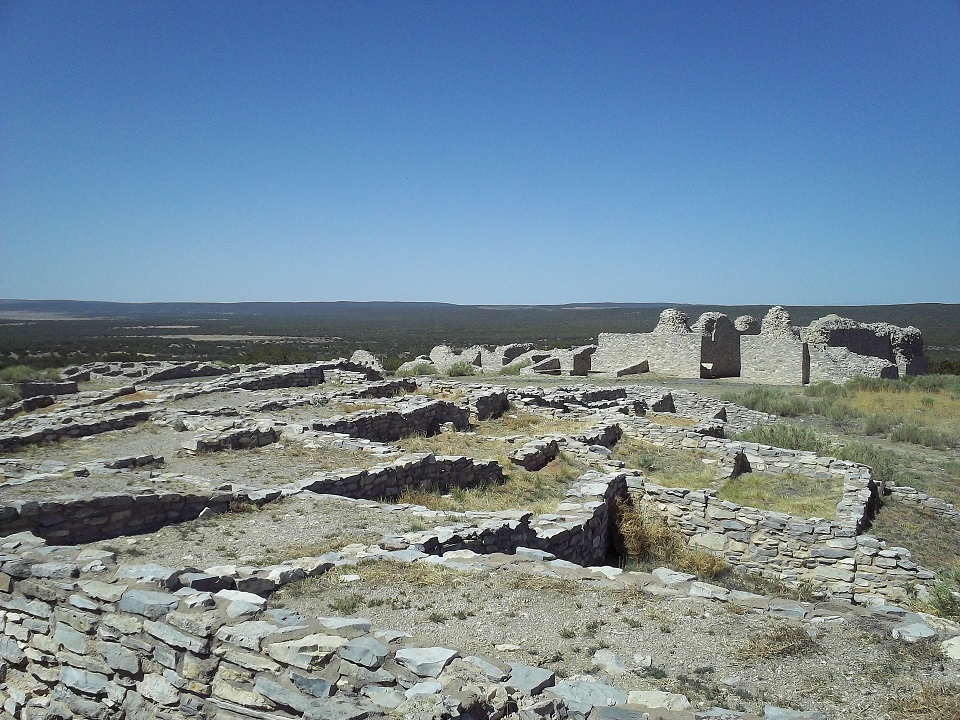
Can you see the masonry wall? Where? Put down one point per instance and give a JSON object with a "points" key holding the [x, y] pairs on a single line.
{"points": [[677, 355], [838, 364], [720, 352], [779, 361], [100, 516]]}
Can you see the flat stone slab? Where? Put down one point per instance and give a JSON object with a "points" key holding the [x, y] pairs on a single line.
{"points": [[530, 680], [582, 695], [425, 662]]}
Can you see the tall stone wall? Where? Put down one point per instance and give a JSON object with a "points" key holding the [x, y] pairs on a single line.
{"points": [[677, 355], [775, 360], [720, 354]]}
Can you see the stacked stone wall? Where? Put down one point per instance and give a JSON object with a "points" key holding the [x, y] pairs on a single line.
{"points": [[412, 417], [420, 471], [775, 360], [90, 423], [677, 355], [98, 516]]}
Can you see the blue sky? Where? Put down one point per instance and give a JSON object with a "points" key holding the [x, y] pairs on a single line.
{"points": [[481, 152]]}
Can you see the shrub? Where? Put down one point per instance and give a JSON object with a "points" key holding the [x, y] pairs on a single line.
{"points": [[773, 401], [461, 368], [945, 594], [23, 373], [421, 368], [8, 395], [877, 424], [515, 368], [784, 641], [883, 462], [783, 435], [918, 434]]}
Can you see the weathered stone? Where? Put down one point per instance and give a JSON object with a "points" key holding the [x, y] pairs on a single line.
{"points": [[658, 699], [529, 680], [581, 695], [89, 683], [306, 653], [119, 658], [158, 689], [317, 687], [364, 651], [771, 712], [174, 637], [425, 662], [247, 635], [278, 694], [150, 604]]}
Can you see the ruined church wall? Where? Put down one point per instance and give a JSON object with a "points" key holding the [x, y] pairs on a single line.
{"points": [[677, 355], [774, 360], [722, 351]]}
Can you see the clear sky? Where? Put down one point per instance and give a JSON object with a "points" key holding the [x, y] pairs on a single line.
{"points": [[481, 152]]}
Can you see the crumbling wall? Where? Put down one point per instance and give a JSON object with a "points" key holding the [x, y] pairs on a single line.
{"points": [[775, 360], [719, 346], [677, 355]]}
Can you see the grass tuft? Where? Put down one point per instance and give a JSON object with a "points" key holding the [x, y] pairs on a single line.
{"points": [[784, 641], [641, 535]]}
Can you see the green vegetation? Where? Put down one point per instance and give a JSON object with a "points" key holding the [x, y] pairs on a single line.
{"points": [[787, 435], [918, 410], [25, 373], [461, 368], [516, 367], [788, 492], [771, 400], [665, 466], [422, 368]]}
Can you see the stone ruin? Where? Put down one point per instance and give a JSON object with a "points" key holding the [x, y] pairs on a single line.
{"points": [[86, 633], [771, 351]]}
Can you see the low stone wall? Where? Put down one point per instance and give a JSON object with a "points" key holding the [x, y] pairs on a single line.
{"points": [[98, 516], [26, 405], [578, 531], [785, 547], [486, 402], [535, 454], [243, 436], [420, 471], [410, 418], [91, 423], [861, 495], [34, 389], [934, 505], [383, 389]]}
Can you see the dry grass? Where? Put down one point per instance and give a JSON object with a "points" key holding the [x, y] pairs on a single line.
{"points": [[477, 446], [538, 492], [326, 457], [519, 422], [783, 641], [390, 574], [665, 466], [671, 420], [928, 702], [642, 535], [933, 543], [787, 492]]}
